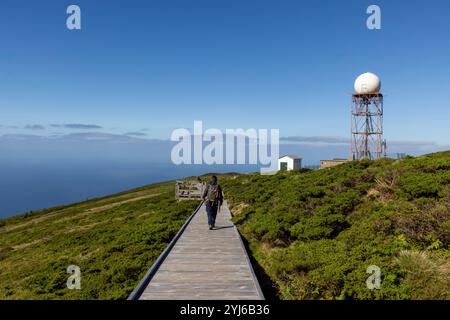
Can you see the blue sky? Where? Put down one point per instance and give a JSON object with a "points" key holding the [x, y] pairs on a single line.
{"points": [[152, 66], [87, 113]]}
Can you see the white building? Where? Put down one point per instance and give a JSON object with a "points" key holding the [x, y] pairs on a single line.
{"points": [[289, 162]]}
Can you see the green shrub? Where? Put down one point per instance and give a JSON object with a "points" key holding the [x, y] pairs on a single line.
{"points": [[413, 185], [113, 239], [315, 232]]}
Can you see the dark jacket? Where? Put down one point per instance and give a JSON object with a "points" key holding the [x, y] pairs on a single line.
{"points": [[205, 193]]}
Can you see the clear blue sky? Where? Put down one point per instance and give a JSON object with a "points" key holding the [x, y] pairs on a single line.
{"points": [[235, 63]]}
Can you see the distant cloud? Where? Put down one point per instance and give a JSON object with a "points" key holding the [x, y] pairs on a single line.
{"points": [[96, 136], [411, 143], [137, 134], [316, 139], [77, 126], [21, 137], [393, 146], [343, 140], [34, 127], [312, 149], [79, 136]]}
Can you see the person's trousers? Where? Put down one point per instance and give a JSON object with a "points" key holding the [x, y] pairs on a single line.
{"points": [[211, 210]]}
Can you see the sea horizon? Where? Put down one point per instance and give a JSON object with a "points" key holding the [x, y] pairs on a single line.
{"points": [[30, 187]]}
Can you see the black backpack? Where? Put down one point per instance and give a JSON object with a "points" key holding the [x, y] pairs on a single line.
{"points": [[213, 193]]}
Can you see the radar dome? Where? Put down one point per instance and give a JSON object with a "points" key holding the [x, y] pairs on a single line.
{"points": [[367, 83]]}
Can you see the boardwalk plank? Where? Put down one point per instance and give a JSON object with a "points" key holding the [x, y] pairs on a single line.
{"points": [[206, 264]]}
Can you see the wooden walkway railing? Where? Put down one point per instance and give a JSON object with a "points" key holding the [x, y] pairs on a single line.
{"points": [[202, 264], [189, 190]]}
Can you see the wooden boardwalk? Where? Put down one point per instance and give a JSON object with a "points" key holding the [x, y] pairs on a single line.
{"points": [[205, 264]]}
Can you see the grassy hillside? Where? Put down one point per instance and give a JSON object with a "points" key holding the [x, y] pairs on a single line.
{"points": [[114, 240], [311, 234], [314, 233]]}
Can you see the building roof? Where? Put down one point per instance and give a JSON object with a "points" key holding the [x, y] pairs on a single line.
{"points": [[290, 156]]}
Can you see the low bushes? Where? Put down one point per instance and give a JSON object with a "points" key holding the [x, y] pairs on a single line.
{"points": [[325, 228]]}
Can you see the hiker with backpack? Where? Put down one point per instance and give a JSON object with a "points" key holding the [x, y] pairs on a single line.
{"points": [[214, 198]]}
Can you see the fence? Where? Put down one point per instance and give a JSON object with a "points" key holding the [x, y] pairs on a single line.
{"points": [[189, 190]]}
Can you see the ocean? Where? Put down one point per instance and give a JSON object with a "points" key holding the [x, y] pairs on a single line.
{"points": [[34, 185]]}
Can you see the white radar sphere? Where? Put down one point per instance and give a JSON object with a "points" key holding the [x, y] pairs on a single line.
{"points": [[367, 83]]}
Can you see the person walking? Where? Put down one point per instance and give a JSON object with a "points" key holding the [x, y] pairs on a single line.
{"points": [[214, 199]]}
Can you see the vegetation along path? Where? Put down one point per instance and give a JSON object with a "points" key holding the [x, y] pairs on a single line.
{"points": [[204, 264]]}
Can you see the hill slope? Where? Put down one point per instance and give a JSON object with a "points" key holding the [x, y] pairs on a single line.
{"points": [[311, 234], [315, 233], [113, 240]]}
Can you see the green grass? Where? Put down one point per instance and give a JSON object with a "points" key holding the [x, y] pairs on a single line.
{"points": [[314, 233], [113, 239]]}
